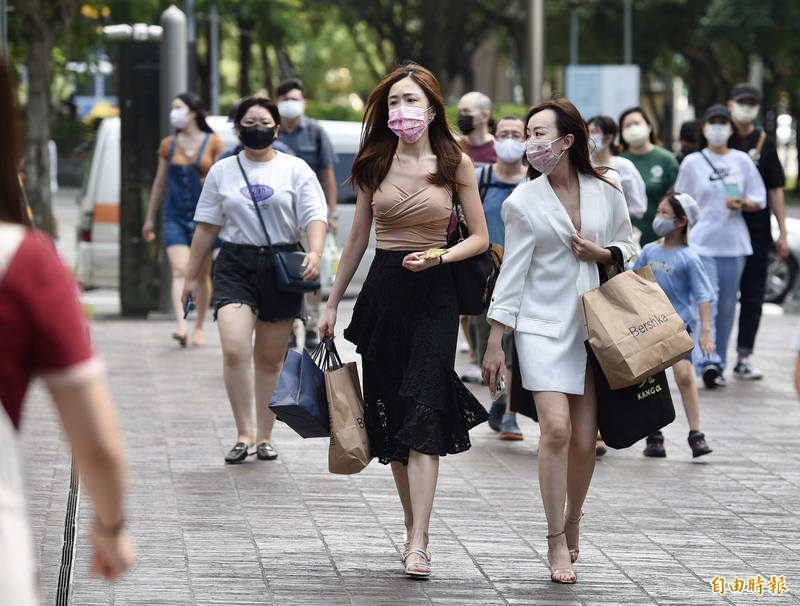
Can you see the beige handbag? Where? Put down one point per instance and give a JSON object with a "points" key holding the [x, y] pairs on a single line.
{"points": [[634, 330], [349, 450]]}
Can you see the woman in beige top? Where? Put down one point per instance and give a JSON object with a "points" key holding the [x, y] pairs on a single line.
{"points": [[405, 320]]}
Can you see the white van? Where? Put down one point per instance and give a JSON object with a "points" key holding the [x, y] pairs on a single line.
{"points": [[97, 264]]}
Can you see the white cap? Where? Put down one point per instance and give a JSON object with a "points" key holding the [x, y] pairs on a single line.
{"points": [[690, 207]]}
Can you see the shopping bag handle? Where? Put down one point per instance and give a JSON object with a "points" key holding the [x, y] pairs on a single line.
{"points": [[334, 362]]}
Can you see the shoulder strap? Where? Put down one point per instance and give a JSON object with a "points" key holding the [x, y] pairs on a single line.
{"points": [[759, 146], [486, 179], [171, 150], [255, 203], [714, 168], [199, 157]]}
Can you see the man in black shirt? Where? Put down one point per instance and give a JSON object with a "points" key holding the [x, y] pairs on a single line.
{"points": [[744, 107]]}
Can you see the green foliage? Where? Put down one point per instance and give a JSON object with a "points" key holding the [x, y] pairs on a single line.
{"points": [[324, 110]]}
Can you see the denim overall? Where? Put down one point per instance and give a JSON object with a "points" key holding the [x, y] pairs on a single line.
{"points": [[183, 190]]}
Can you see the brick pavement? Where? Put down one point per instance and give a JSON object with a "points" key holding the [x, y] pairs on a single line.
{"points": [[288, 532]]}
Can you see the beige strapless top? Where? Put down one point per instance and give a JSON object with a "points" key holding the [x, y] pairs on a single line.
{"points": [[415, 222]]}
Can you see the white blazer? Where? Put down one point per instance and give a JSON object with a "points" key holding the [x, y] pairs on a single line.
{"points": [[540, 283]]}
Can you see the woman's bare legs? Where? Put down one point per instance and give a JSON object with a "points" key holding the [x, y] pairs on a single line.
{"points": [[400, 473], [204, 291], [553, 410], [684, 377], [236, 323], [268, 355], [178, 256], [423, 473], [582, 457]]}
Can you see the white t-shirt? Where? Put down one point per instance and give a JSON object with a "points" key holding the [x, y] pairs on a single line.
{"points": [[288, 194], [720, 231], [632, 185]]}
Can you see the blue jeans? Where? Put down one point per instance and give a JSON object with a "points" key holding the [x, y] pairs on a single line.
{"points": [[725, 274]]}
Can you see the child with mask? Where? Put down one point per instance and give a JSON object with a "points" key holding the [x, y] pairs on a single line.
{"points": [[726, 184], [680, 273]]}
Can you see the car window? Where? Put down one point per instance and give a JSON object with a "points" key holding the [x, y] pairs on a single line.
{"points": [[341, 169]]}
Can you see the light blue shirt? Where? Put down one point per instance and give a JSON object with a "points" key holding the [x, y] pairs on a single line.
{"points": [[680, 274], [493, 200]]}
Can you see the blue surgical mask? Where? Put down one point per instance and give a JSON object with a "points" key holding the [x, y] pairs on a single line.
{"points": [[662, 226]]}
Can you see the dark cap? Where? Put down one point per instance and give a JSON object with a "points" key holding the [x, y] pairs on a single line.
{"points": [[717, 110], [745, 91]]}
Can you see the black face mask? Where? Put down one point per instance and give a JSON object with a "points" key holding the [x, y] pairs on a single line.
{"points": [[257, 136], [465, 123]]}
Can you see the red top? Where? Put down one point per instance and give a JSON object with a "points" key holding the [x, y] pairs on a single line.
{"points": [[42, 326], [482, 153]]}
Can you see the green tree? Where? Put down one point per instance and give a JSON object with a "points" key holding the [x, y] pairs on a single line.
{"points": [[42, 24]]}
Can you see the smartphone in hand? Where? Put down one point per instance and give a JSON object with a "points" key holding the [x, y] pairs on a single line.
{"points": [[499, 390], [189, 307]]}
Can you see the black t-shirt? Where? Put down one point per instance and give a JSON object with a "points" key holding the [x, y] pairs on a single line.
{"points": [[771, 172]]}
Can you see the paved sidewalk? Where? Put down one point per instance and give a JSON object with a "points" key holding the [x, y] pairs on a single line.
{"points": [[288, 532]]}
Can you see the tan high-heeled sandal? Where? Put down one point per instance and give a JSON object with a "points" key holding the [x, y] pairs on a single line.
{"points": [[573, 552], [561, 572]]}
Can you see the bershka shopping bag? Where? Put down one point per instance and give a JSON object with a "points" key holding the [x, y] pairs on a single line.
{"points": [[299, 397], [627, 415], [633, 329], [349, 450]]}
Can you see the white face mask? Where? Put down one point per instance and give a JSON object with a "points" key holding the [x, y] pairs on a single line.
{"points": [[743, 112], [636, 135], [717, 134], [596, 143], [290, 108], [662, 226], [509, 150], [178, 117]]}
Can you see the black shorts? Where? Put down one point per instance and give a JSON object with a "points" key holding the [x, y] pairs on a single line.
{"points": [[244, 274]]}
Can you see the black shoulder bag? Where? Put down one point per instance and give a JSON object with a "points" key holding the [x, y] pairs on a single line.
{"points": [[474, 278], [287, 263]]}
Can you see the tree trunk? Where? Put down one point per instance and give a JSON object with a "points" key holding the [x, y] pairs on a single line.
{"points": [[245, 40], [37, 129], [43, 22], [268, 75]]}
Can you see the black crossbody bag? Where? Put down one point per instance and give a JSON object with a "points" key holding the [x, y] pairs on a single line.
{"points": [[475, 277], [288, 263]]}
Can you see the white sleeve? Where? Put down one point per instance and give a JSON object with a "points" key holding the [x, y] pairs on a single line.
{"points": [[311, 205], [686, 181], [519, 244], [634, 189], [796, 344], [620, 230], [754, 189], [209, 205]]}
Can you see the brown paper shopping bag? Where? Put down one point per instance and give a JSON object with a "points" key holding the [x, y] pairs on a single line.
{"points": [[633, 329], [349, 447]]}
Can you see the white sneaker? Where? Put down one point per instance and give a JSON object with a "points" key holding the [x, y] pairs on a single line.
{"points": [[472, 374], [745, 371]]}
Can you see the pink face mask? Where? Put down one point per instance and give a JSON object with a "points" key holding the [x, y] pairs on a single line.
{"points": [[408, 122], [540, 155]]}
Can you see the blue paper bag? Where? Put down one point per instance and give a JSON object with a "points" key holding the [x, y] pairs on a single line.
{"points": [[299, 399]]}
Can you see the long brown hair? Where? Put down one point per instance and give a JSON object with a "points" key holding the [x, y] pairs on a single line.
{"points": [[12, 209], [378, 142], [569, 122]]}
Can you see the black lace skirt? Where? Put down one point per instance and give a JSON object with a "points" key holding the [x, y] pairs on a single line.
{"points": [[405, 326]]}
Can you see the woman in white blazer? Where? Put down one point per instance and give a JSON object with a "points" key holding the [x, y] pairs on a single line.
{"points": [[559, 226]]}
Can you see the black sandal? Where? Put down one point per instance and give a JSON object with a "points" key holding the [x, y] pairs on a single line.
{"points": [[237, 454], [266, 452]]}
